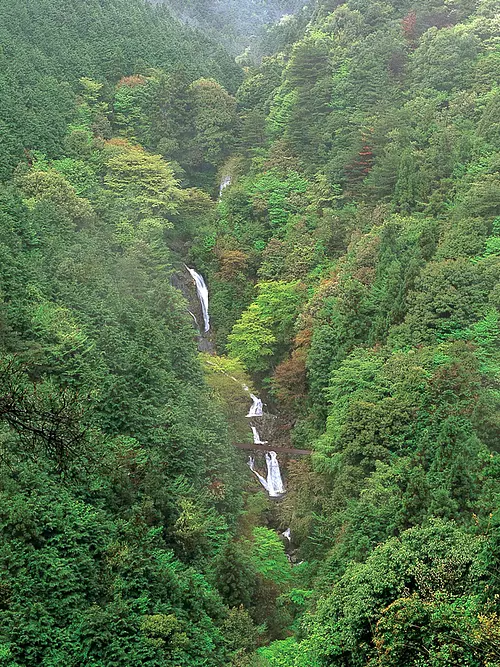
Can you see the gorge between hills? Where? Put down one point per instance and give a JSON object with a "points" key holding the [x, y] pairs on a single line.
{"points": [[249, 333]]}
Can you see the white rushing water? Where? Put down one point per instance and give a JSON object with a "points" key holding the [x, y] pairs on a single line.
{"points": [[194, 317], [256, 437], [251, 463], [202, 291], [226, 182], [273, 484], [287, 534], [256, 409], [274, 481]]}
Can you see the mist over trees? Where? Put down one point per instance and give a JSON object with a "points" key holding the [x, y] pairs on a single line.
{"points": [[242, 25]]}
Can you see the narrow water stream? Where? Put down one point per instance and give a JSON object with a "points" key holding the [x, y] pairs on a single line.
{"points": [[273, 483], [256, 437], [256, 409], [202, 291], [225, 182]]}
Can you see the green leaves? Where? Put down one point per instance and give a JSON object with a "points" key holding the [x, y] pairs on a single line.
{"points": [[275, 192], [265, 328], [428, 567], [214, 119], [143, 183], [268, 556], [252, 340], [52, 187]]}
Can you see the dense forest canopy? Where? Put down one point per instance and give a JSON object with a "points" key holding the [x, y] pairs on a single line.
{"points": [[352, 259]]}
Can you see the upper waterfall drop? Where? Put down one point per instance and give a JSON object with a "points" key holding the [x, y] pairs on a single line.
{"points": [[225, 182], [202, 291]]}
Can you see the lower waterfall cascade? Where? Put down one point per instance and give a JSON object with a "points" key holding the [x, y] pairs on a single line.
{"points": [[273, 484]]}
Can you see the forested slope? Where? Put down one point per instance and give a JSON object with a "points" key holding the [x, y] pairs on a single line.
{"points": [[47, 47], [118, 483], [354, 267], [241, 25], [352, 262]]}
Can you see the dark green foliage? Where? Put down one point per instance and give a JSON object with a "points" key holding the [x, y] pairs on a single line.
{"points": [[235, 575], [47, 47], [424, 586], [118, 483], [95, 590]]}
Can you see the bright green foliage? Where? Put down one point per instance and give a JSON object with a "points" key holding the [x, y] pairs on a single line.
{"points": [[268, 556], [414, 584], [92, 110], [144, 182], [281, 111], [275, 192], [444, 58], [265, 328], [252, 340], [80, 174], [53, 189], [285, 653]]}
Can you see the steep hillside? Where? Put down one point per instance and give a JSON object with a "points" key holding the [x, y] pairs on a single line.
{"points": [[47, 47], [354, 264], [118, 485], [342, 201]]}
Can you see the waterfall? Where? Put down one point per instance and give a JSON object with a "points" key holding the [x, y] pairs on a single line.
{"points": [[251, 463], [256, 437], [202, 291], [226, 181], [256, 409], [274, 481], [273, 484], [287, 534]]}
